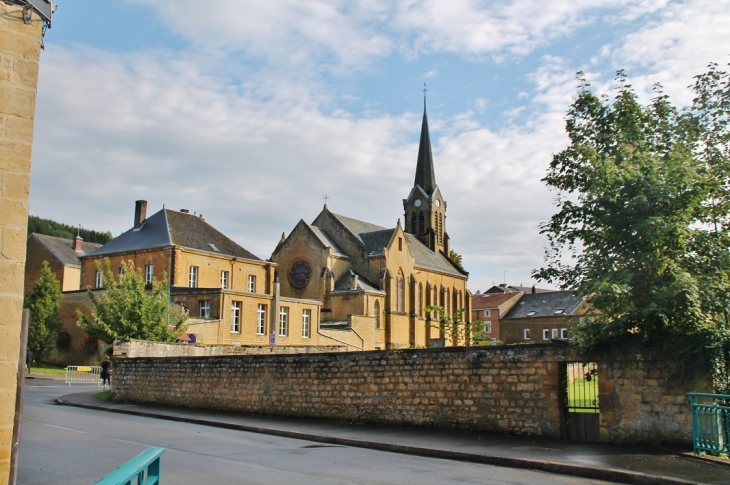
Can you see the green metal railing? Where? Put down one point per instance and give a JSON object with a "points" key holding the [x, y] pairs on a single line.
{"points": [[710, 422], [148, 460]]}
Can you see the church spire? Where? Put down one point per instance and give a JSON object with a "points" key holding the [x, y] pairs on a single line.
{"points": [[424, 168]]}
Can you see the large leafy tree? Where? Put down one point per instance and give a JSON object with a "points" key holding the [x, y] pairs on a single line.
{"points": [[643, 219], [45, 320], [128, 308]]}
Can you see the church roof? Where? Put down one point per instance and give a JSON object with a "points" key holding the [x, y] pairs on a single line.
{"points": [[356, 226], [62, 248], [172, 228], [344, 283], [377, 240], [326, 240], [425, 177]]}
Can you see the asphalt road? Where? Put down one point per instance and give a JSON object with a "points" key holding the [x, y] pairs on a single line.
{"points": [[67, 445]]}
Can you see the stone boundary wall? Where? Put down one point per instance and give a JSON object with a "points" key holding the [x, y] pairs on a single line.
{"points": [[507, 389], [142, 348]]}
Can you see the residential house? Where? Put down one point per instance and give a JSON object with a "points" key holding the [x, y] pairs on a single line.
{"points": [[489, 308], [62, 256], [541, 317]]}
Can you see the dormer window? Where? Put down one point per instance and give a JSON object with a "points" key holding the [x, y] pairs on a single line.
{"points": [[531, 313], [559, 311]]}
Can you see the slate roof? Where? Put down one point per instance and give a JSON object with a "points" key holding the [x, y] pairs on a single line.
{"points": [[62, 248], [544, 305], [491, 300], [356, 226], [375, 238], [171, 228], [344, 283], [425, 177], [326, 240]]}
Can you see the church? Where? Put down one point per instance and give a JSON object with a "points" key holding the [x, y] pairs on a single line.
{"points": [[375, 282]]}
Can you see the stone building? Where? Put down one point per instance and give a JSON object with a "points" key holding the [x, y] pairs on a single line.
{"points": [[62, 256], [541, 317], [21, 30], [376, 281], [229, 293], [490, 308]]}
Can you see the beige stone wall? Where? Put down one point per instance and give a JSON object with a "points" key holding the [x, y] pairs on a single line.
{"points": [[19, 56], [143, 348], [503, 389], [159, 258]]}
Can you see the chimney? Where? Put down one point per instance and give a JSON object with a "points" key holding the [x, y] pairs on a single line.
{"points": [[185, 211], [140, 213], [533, 289], [78, 243], [355, 282], [201, 217]]}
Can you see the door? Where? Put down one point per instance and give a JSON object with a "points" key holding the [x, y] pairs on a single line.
{"points": [[583, 411]]}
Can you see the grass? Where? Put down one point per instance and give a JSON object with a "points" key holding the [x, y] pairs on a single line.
{"points": [[47, 369], [583, 394], [104, 395]]}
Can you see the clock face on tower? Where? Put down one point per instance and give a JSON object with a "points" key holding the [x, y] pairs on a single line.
{"points": [[417, 203], [300, 273], [438, 203]]}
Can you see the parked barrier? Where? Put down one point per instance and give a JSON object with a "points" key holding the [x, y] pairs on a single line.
{"points": [[83, 374], [710, 422], [147, 461]]}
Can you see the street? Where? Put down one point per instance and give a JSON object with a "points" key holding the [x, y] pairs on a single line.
{"points": [[68, 445]]}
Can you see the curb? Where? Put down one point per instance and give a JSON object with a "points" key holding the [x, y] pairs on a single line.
{"points": [[608, 474]]}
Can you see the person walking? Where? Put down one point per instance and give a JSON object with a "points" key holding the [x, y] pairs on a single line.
{"points": [[106, 373], [28, 359]]}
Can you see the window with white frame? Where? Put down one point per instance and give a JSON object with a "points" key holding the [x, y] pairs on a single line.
{"points": [[99, 279], [526, 334], [193, 277], [252, 283], [224, 280], [204, 308], [555, 333], [121, 271], [284, 321], [563, 333], [487, 314], [487, 327], [306, 323], [261, 320], [236, 317], [546, 334], [149, 270]]}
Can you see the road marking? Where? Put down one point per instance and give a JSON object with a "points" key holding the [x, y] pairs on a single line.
{"points": [[61, 427], [132, 442]]}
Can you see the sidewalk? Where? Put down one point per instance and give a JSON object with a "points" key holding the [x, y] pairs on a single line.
{"points": [[617, 463]]}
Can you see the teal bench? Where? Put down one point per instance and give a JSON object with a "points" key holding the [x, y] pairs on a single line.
{"points": [[148, 460]]}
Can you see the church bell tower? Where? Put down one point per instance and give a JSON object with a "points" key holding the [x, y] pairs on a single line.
{"points": [[425, 208]]}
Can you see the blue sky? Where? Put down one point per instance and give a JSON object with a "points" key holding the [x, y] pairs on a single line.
{"points": [[250, 112]]}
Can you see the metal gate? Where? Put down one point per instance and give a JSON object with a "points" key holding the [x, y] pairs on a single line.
{"points": [[583, 412]]}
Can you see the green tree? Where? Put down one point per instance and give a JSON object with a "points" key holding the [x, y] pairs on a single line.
{"points": [[128, 308], [643, 220], [456, 259], [457, 329], [45, 320]]}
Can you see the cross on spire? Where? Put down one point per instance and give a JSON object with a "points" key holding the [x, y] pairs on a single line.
{"points": [[325, 199]]}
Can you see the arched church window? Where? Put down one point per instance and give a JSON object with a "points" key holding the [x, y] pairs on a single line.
{"points": [[413, 222], [419, 300], [441, 228], [421, 222], [400, 293], [376, 312]]}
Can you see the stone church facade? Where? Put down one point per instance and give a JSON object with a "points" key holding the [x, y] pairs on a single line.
{"points": [[375, 281]]}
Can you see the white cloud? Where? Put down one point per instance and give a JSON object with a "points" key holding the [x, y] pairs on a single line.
{"points": [[673, 46]]}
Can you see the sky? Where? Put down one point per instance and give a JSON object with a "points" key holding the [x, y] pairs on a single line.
{"points": [[252, 112]]}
